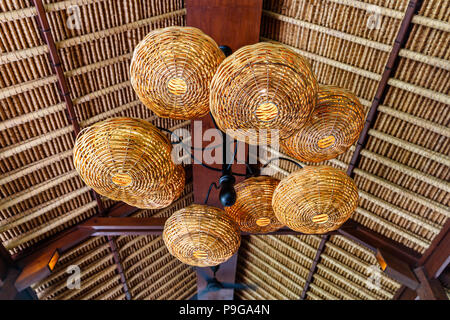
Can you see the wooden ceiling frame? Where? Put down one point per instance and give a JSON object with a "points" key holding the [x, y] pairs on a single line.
{"points": [[426, 268]]}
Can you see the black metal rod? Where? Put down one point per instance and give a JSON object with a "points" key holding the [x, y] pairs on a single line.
{"points": [[285, 159]]}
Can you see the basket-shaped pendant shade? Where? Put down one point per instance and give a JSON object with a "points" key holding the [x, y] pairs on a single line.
{"points": [[335, 124], [201, 235], [171, 70], [126, 159], [315, 200], [262, 86], [253, 208], [165, 194]]}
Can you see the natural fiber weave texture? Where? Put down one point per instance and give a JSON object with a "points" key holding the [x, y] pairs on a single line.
{"points": [[253, 208], [262, 86], [171, 70], [315, 200], [165, 194], [201, 235], [129, 160], [335, 124]]}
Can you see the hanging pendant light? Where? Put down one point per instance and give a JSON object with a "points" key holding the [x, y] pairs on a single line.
{"points": [[315, 200], [201, 235], [262, 86], [253, 208], [334, 126], [171, 70], [165, 194], [126, 159]]}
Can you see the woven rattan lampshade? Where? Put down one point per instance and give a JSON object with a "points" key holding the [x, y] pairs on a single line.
{"points": [[335, 124], [129, 160], [315, 199], [165, 194], [171, 70], [253, 208], [201, 235], [262, 86]]}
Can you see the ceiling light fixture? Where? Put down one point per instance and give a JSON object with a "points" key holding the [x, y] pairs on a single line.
{"points": [[335, 124], [171, 70], [253, 208], [262, 86], [128, 160], [201, 235]]}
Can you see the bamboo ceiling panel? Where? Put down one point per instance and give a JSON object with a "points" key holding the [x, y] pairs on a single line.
{"points": [[41, 193], [277, 265], [344, 271], [405, 168], [99, 277]]}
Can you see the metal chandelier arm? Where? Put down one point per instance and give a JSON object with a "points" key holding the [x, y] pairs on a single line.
{"points": [[282, 158], [196, 161]]}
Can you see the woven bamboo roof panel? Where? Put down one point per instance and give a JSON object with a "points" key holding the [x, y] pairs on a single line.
{"points": [[404, 169], [277, 265]]}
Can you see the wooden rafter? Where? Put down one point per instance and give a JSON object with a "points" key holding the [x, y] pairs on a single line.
{"points": [[55, 60], [389, 70]]}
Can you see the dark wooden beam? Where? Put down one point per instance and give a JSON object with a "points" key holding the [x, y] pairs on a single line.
{"points": [[40, 268], [8, 291], [405, 293], [397, 269], [125, 226], [313, 268], [430, 288], [100, 226], [389, 70], [373, 241], [5, 262]]}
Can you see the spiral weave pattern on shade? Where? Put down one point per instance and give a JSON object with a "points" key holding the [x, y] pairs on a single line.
{"points": [[335, 124], [201, 235], [165, 194], [262, 86], [171, 70], [129, 160], [315, 200], [253, 208]]}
